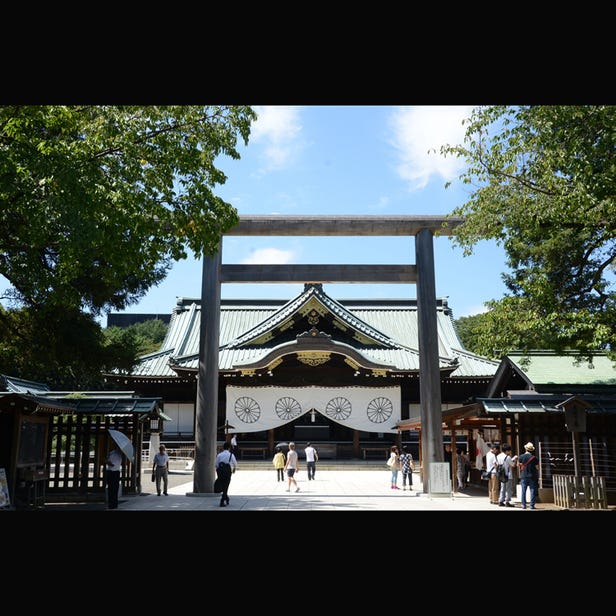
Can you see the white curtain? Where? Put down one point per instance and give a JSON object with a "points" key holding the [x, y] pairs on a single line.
{"points": [[370, 409], [481, 449]]}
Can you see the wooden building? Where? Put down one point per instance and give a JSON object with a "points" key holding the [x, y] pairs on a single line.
{"points": [[340, 373], [53, 444], [565, 406]]}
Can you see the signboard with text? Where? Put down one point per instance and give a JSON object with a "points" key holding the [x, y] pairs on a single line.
{"points": [[440, 480]]}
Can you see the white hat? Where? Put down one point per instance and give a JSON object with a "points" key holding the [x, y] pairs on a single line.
{"points": [[529, 447]]}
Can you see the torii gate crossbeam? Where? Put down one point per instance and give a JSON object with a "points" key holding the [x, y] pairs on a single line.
{"points": [[214, 274]]}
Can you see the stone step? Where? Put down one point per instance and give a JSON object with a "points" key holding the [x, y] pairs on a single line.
{"points": [[322, 465]]}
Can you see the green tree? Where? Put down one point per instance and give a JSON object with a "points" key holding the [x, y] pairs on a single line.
{"points": [[146, 336], [97, 202], [542, 184], [469, 330], [66, 349]]}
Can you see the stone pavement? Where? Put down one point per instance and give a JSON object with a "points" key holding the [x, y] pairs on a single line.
{"points": [[332, 490]]}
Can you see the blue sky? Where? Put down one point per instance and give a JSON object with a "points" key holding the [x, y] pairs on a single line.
{"points": [[347, 160]]}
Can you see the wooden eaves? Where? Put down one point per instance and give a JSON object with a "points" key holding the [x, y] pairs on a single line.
{"points": [[465, 417]]}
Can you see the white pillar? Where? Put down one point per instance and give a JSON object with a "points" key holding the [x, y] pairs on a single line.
{"points": [[154, 445]]}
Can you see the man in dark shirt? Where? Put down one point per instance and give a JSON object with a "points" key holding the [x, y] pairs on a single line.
{"points": [[529, 474]]}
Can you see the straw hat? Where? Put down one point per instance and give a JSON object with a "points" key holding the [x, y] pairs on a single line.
{"points": [[529, 447]]}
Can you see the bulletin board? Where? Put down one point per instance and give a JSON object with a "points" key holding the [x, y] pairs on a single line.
{"points": [[32, 441]]}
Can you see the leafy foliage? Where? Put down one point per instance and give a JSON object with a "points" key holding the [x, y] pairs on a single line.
{"points": [[65, 349], [96, 203], [147, 336], [542, 182]]}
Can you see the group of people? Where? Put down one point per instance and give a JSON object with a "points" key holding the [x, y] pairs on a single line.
{"points": [[289, 464], [500, 489], [401, 461], [226, 465], [113, 469]]}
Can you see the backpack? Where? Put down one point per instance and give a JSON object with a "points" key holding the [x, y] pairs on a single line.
{"points": [[501, 473]]}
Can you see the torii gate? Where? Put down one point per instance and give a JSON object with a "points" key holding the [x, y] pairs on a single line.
{"points": [[214, 274]]}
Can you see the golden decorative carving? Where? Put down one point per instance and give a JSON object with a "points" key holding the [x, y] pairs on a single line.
{"points": [[313, 306], [363, 339], [379, 372], [313, 317], [274, 364], [313, 358], [350, 362], [339, 324]]}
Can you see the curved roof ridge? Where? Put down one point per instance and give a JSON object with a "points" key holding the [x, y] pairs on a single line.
{"points": [[316, 291]]}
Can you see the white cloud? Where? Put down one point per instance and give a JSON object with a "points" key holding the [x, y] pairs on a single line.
{"points": [[416, 131], [277, 128], [266, 256], [382, 203], [472, 310]]}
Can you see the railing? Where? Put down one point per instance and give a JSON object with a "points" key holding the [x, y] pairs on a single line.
{"points": [[593, 461], [176, 450]]}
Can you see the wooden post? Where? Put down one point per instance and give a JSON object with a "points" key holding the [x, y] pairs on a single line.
{"points": [[429, 373], [207, 385]]}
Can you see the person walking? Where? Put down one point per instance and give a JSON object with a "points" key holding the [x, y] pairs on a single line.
{"points": [[394, 465], [279, 463], [112, 476], [161, 469], [493, 484], [529, 475], [407, 466], [311, 460], [226, 464], [292, 466]]}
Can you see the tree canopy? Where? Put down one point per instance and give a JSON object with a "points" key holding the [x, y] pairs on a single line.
{"points": [[542, 184], [97, 202]]}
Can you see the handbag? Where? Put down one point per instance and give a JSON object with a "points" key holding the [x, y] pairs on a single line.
{"points": [[486, 474], [224, 468], [153, 475], [391, 461]]}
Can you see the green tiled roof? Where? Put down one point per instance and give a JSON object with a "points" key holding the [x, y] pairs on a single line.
{"points": [[548, 368], [543, 404], [388, 327]]}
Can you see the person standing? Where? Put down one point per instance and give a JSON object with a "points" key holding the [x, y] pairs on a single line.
{"points": [[161, 469], [112, 476], [529, 475], [234, 450], [493, 483], [506, 487], [311, 460], [292, 466], [460, 468], [394, 465], [467, 468], [226, 464], [448, 456], [406, 466], [279, 462]]}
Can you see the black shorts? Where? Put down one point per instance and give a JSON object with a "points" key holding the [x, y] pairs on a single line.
{"points": [[290, 472]]}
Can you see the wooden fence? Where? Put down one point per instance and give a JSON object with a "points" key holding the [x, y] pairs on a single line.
{"points": [[571, 492]]}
